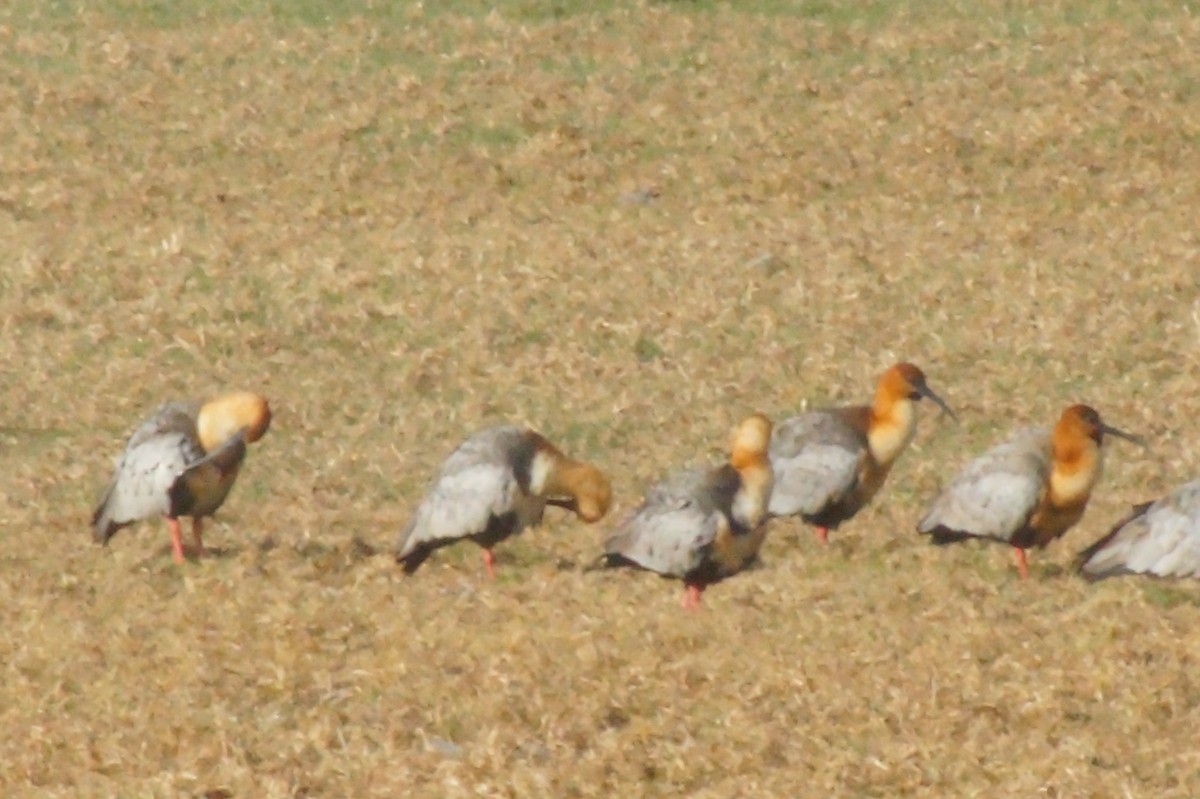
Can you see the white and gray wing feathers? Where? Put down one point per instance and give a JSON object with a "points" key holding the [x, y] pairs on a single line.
{"points": [[668, 533], [995, 494], [815, 459], [474, 484], [144, 476], [1163, 540]]}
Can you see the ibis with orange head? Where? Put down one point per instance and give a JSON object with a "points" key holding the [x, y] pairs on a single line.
{"points": [[1159, 539], [1027, 491], [181, 461], [830, 463], [702, 525], [493, 486]]}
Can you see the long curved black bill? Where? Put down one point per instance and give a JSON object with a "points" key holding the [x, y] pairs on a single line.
{"points": [[1112, 431], [927, 393]]}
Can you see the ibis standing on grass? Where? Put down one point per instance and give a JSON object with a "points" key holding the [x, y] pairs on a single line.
{"points": [[1160, 538], [498, 482], [182, 461], [702, 525], [829, 463], [1027, 491]]}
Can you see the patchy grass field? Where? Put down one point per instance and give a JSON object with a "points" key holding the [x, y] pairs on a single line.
{"points": [[629, 225]]}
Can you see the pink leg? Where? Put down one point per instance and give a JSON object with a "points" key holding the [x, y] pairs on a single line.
{"points": [[1022, 563], [176, 539], [823, 534], [691, 597], [198, 537], [489, 562]]}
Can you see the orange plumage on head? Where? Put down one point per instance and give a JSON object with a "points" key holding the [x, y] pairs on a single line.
{"points": [[223, 417]]}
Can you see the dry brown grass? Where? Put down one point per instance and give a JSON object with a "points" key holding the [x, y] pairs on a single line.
{"points": [[405, 225]]}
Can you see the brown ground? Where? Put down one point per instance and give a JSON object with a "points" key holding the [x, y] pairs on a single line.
{"points": [[629, 227]]}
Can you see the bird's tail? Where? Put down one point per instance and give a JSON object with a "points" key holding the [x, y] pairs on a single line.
{"points": [[608, 560], [944, 535], [412, 560], [103, 525]]}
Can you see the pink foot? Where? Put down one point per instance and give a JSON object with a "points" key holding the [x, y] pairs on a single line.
{"points": [[489, 562], [691, 597], [823, 534], [1022, 563], [176, 539]]}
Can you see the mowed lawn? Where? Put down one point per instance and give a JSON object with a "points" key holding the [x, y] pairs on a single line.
{"points": [[628, 225]]}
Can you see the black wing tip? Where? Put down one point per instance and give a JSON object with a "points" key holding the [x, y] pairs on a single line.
{"points": [[941, 535], [1081, 560], [610, 560], [411, 561], [1091, 577], [1084, 557], [103, 528]]}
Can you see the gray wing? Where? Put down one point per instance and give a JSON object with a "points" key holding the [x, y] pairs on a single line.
{"points": [[815, 458], [995, 494], [474, 484], [1162, 540], [669, 532], [172, 417], [140, 487]]}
